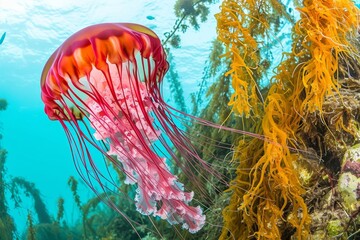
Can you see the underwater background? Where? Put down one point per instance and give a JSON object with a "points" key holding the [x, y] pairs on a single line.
{"points": [[37, 149]]}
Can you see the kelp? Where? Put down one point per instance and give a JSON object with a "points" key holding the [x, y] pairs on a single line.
{"points": [[268, 201], [7, 225], [46, 227], [101, 221], [30, 190], [3, 104], [213, 145], [241, 26], [60, 213], [73, 184], [175, 85], [31, 231], [188, 13], [326, 31]]}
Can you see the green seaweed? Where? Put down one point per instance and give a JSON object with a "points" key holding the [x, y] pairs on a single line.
{"points": [[60, 213], [31, 231], [175, 85], [3, 104], [189, 13], [7, 226], [30, 190]]}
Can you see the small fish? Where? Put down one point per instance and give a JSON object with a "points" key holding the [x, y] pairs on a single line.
{"points": [[2, 38], [150, 17]]}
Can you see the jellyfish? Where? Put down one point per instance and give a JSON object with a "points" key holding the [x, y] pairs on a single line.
{"points": [[103, 84]]}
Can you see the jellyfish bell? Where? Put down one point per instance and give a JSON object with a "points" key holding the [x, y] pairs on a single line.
{"points": [[108, 76], [99, 47]]}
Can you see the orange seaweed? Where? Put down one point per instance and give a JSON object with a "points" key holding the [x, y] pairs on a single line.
{"points": [[268, 199]]}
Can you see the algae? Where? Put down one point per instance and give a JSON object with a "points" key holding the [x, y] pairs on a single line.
{"points": [[301, 182], [7, 226]]}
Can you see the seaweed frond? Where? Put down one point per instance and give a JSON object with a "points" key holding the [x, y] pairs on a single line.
{"points": [[31, 230], [267, 194]]}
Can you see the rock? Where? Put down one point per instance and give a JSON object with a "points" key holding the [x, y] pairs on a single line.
{"points": [[349, 180]]}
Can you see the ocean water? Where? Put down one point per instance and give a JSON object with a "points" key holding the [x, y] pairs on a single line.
{"points": [[38, 149]]}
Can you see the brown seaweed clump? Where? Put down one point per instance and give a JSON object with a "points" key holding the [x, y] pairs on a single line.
{"points": [[334, 195], [309, 118]]}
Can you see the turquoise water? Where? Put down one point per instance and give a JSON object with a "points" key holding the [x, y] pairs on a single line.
{"points": [[37, 148]]}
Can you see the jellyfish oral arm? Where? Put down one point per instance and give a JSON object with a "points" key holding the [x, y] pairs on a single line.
{"points": [[127, 125]]}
